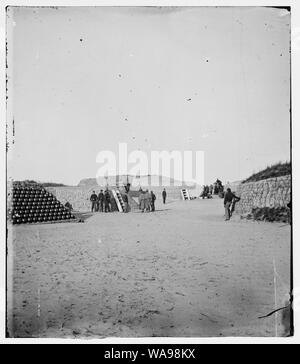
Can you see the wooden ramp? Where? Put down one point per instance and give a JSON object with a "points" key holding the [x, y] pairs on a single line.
{"points": [[185, 194], [119, 200]]}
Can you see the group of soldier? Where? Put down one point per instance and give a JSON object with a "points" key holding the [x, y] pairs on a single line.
{"points": [[147, 200], [217, 189], [207, 191], [101, 202]]}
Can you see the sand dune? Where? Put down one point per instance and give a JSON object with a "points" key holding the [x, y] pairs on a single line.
{"points": [[181, 271]]}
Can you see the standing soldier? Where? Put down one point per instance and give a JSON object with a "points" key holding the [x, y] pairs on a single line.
{"points": [[164, 195], [97, 204], [125, 199], [153, 198], [127, 187], [147, 198], [215, 189], [101, 200], [107, 201], [228, 198], [141, 199], [93, 200], [149, 202]]}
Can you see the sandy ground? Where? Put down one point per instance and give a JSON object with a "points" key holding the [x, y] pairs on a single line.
{"points": [[181, 271]]}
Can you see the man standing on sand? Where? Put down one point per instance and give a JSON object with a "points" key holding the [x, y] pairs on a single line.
{"points": [[93, 200], [164, 195], [127, 187], [147, 199], [228, 198], [125, 199], [101, 200], [153, 198], [107, 201]]}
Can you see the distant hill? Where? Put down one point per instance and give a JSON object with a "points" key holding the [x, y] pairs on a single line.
{"points": [[276, 170], [146, 180], [88, 182]]}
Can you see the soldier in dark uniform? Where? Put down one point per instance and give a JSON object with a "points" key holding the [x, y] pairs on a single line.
{"points": [[107, 201], [127, 187], [101, 200], [153, 198], [228, 199], [93, 200], [125, 199], [164, 195]]}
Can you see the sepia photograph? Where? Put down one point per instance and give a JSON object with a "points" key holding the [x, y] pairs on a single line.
{"points": [[149, 172]]}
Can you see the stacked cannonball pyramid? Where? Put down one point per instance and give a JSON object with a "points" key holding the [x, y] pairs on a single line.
{"points": [[33, 204]]}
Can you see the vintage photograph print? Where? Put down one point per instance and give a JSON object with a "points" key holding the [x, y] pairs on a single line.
{"points": [[148, 172]]}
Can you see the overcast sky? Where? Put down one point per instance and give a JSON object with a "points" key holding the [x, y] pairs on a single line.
{"points": [[85, 79]]}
